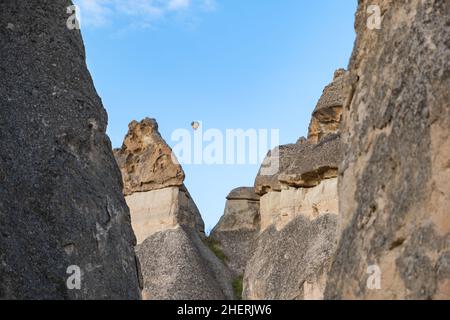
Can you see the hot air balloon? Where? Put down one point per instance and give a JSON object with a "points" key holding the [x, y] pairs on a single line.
{"points": [[195, 125]]}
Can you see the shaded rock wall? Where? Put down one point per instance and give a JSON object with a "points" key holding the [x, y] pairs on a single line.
{"points": [[176, 265], [394, 181], [238, 227], [61, 201], [291, 263]]}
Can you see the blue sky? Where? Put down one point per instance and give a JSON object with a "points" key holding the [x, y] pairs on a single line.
{"points": [[250, 64]]}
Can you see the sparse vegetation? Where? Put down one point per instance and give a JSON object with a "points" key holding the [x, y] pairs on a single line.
{"points": [[214, 246], [238, 287]]}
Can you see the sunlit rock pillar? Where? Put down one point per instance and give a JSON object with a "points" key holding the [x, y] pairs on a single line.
{"points": [[394, 185], [175, 261], [153, 183]]}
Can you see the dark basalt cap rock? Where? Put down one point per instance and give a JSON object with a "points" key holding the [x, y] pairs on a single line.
{"points": [[326, 117], [304, 164], [313, 163], [333, 93], [243, 193]]}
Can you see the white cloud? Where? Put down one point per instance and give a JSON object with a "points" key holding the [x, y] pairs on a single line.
{"points": [[95, 13], [179, 4]]}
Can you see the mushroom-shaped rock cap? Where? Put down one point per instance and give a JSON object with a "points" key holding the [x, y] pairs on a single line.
{"points": [[303, 164], [326, 117], [146, 161], [333, 94], [313, 163], [243, 193]]}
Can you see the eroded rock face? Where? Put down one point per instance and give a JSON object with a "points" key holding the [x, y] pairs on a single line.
{"points": [[279, 208], [296, 242], [238, 227], [241, 211], [146, 161], [312, 163], [309, 161], [301, 165], [395, 178], [327, 115], [306, 182], [291, 263], [61, 201], [176, 265], [153, 183], [298, 209], [163, 209]]}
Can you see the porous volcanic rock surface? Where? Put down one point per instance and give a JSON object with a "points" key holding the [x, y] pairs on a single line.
{"points": [[394, 183], [146, 161], [291, 263], [176, 265], [61, 201], [238, 228]]}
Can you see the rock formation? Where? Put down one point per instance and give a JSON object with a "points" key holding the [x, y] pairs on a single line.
{"points": [[290, 263], [281, 233], [377, 153], [175, 261], [309, 161], [394, 182], [238, 227], [298, 209], [326, 117], [61, 202], [306, 182], [176, 265], [153, 183], [146, 161]]}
